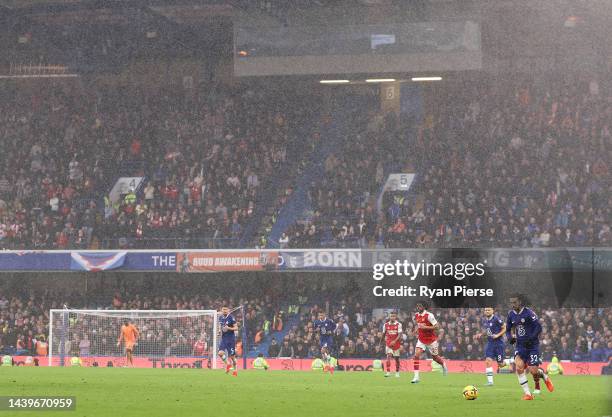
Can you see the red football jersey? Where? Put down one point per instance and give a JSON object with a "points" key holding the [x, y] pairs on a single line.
{"points": [[199, 348], [391, 332], [426, 336]]}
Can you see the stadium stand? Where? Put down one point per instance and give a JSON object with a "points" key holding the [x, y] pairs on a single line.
{"points": [[206, 160], [496, 170]]}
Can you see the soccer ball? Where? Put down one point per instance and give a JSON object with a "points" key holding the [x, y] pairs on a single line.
{"points": [[470, 392]]}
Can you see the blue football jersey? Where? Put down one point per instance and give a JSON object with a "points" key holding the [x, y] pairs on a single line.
{"points": [[325, 327], [229, 321], [493, 326], [527, 326]]}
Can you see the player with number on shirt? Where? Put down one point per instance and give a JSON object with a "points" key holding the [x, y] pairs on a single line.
{"points": [[392, 332], [527, 329], [227, 347], [325, 327], [427, 326], [494, 328]]}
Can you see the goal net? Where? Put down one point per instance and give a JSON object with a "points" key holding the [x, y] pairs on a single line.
{"points": [[168, 338]]}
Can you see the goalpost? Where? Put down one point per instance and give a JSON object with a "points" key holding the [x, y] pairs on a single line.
{"points": [[164, 334]]}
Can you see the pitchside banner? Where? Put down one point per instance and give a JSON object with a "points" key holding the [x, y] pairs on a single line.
{"points": [[289, 364], [585, 259], [34, 261], [169, 362], [593, 260], [96, 261], [463, 277], [321, 260], [150, 261], [87, 261], [226, 261]]}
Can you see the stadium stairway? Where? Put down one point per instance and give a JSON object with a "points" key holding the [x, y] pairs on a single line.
{"points": [[331, 136], [282, 177]]}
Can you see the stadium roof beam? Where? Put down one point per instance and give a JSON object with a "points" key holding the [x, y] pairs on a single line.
{"points": [[191, 9], [52, 7]]}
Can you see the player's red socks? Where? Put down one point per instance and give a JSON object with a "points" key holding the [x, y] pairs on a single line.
{"points": [[397, 364], [388, 365], [415, 379]]}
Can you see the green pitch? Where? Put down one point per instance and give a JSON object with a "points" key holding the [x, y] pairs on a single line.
{"points": [[195, 392]]}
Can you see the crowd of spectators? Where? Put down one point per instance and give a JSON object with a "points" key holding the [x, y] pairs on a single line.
{"points": [[571, 334], [521, 166], [341, 212], [204, 157], [24, 317], [278, 316], [528, 168], [205, 183]]}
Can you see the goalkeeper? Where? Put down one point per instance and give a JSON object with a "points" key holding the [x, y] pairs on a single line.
{"points": [[129, 335]]}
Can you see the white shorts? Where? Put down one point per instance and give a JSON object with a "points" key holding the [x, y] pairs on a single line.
{"points": [[432, 347], [389, 350]]}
